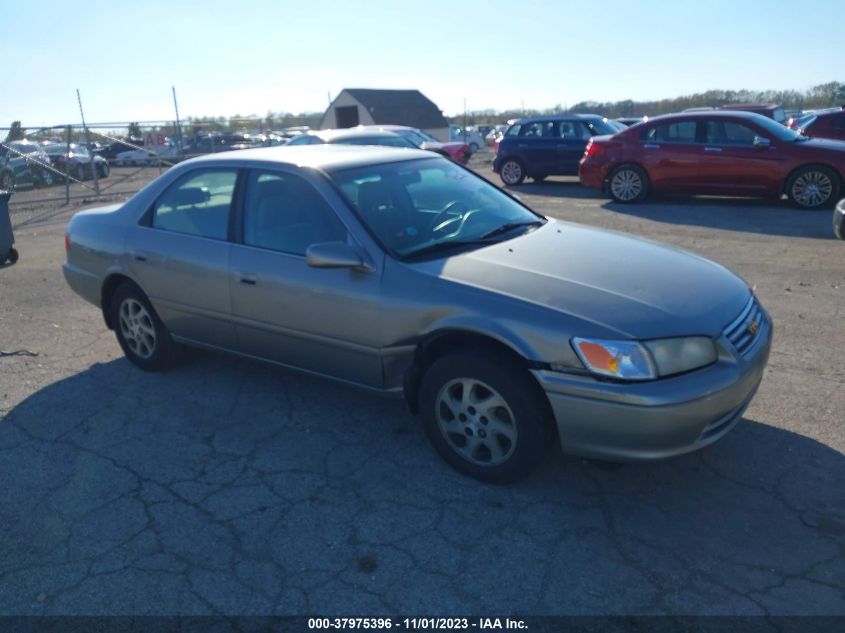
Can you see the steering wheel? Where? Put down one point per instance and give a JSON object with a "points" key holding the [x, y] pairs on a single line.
{"points": [[446, 216]]}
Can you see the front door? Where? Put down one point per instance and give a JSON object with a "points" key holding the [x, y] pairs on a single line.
{"points": [[733, 164], [317, 319]]}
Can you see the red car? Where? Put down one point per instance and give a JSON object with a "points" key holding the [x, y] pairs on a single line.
{"points": [[822, 124], [717, 153], [458, 152]]}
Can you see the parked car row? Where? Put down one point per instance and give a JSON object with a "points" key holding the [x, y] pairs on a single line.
{"points": [[25, 162], [739, 151]]}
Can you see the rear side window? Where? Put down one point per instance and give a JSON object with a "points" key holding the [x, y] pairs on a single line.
{"points": [[681, 132], [572, 130], [514, 130], [197, 204], [539, 129]]}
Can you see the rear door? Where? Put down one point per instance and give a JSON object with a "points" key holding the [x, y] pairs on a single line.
{"points": [[537, 146], [179, 254], [671, 153]]}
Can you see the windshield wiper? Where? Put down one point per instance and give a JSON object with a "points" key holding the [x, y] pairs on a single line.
{"points": [[447, 246], [506, 228]]}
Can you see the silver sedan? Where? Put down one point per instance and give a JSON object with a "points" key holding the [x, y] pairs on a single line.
{"points": [[404, 273]]}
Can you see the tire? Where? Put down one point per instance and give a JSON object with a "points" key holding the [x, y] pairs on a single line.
{"points": [[813, 187], [7, 180], [12, 256], [47, 178], [104, 170], [498, 443], [512, 172], [79, 172], [538, 178], [473, 147], [142, 336], [628, 184]]}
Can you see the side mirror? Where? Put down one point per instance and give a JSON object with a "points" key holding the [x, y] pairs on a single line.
{"points": [[761, 142], [334, 255]]}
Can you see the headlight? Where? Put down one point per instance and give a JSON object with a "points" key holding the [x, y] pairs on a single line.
{"points": [[674, 355], [631, 360], [627, 360]]}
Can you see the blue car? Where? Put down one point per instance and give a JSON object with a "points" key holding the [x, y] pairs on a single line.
{"points": [[546, 146]]}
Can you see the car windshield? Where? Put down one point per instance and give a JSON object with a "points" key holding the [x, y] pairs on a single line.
{"points": [[427, 206], [780, 132], [25, 148], [415, 137], [600, 126], [389, 141]]}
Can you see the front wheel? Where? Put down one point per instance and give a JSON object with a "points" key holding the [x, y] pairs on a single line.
{"points": [[141, 334], [628, 183], [7, 181], [485, 417], [813, 187], [103, 170], [512, 172]]}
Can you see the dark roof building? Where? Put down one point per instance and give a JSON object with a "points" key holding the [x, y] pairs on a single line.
{"points": [[363, 106]]}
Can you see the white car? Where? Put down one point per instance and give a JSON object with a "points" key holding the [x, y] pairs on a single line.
{"points": [[471, 136], [147, 156]]}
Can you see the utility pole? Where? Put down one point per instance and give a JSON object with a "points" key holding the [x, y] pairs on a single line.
{"points": [[88, 143], [179, 143]]}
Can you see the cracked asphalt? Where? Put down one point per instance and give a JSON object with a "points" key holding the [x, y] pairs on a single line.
{"points": [[230, 487]]}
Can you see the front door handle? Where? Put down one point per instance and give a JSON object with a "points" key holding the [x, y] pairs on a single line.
{"points": [[713, 149], [651, 146], [139, 256]]}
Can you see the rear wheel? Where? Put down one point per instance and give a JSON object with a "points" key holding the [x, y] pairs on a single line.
{"points": [[141, 334], [628, 183], [512, 172], [103, 170], [12, 256], [79, 172], [484, 416], [813, 187]]}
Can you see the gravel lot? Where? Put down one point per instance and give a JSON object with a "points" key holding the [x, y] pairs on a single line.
{"points": [[226, 486]]}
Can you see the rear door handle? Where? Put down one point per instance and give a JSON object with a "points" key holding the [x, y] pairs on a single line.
{"points": [[248, 279], [140, 256], [712, 149], [651, 146]]}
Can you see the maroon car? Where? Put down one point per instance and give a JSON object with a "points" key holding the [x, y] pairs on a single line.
{"points": [[822, 124], [458, 152], [716, 153]]}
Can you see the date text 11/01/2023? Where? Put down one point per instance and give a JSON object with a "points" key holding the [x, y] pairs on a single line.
{"points": [[417, 623]]}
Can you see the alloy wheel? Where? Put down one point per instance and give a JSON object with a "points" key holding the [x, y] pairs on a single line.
{"points": [[512, 172], [626, 184], [137, 328], [476, 422], [812, 189]]}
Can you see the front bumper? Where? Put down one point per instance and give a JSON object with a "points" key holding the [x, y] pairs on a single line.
{"points": [[839, 220], [656, 419]]}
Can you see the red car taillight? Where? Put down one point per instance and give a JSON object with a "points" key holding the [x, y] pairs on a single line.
{"points": [[67, 242], [593, 149]]}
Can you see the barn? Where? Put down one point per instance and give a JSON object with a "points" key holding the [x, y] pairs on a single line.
{"points": [[364, 106]]}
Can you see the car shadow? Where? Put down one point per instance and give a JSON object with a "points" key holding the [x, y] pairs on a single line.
{"points": [[733, 214], [131, 492]]}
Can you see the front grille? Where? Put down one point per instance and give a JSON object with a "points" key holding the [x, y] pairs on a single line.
{"points": [[744, 330]]}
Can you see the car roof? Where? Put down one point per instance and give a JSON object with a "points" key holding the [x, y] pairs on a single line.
{"points": [[322, 156], [353, 132], [557, 117], [708, 114]]}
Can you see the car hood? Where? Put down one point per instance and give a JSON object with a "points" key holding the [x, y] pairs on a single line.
{"points": [[632, 287], [823, 143]]}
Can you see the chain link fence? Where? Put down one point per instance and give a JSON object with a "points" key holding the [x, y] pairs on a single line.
{"points": [[66, 165]]}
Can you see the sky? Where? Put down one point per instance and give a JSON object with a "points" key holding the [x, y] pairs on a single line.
{"points": [[255, 56]]}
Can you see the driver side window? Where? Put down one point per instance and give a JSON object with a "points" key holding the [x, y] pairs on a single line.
{"points": [[284, 213]]}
